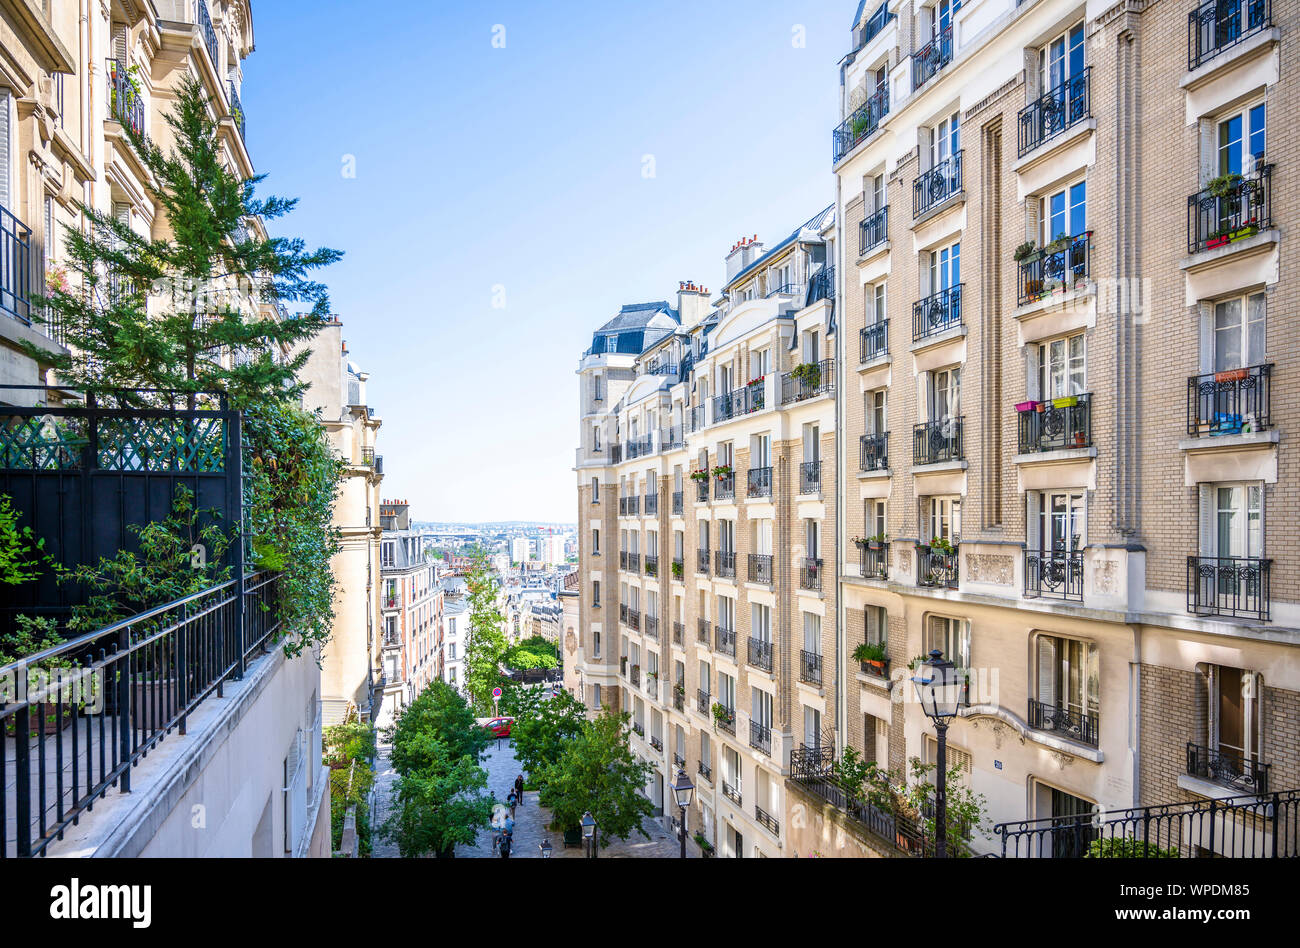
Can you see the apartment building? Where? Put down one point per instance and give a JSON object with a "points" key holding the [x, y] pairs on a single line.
{"points": [[455, 638], [704, 429], [410, 603], [1065, 401]]}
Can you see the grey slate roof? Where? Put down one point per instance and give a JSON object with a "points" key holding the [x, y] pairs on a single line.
{"points": [[810, 230], [636, 327]]}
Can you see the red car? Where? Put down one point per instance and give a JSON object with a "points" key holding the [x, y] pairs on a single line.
{"points": [[499, 727]]}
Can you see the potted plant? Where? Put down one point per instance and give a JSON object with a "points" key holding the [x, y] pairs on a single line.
{"points": [[677, 569], [872, 657], [1223, 185], [808, 373], [877, 541], [679, 689], [722, 714], [1026, 252], [722, 471], [1024, 407], [860, 543], [922, 547], [1059, 243], [942, 546], [706, 848], [699, 475]]}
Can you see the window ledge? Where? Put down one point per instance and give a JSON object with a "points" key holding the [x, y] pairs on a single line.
{"points": [[940, 467], [947, 204], [1209, 789], [939, 338], [1230, 442], [1055, 144], [1204, 259], [873, 252], [877, 362], [1228, 58], [875, 475], [1055, 457], [1052, 302]]}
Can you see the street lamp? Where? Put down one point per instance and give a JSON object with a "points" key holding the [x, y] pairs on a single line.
{"points": [[589, 833], [683, 790], [939, 691], [546, 848]]}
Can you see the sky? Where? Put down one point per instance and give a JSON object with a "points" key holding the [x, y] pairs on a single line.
{"points": [[503, 176]]}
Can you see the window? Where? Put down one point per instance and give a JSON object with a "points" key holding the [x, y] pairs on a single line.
{"points": [[812, 346], [945, 268], [1232, 517], [1063, 213], [595, 644], [595, 438], [1241, 141], [1234, 714], [1239, 332], [706, 677], [595, 541], [951, 637], [945, 518], [812, 728], [876, 625], [760, 362], [874, 517], [451, 623], [1062, 366], [877, 414], [386, 554], [595, 597], [595, 490], [1067, 675], [812, 633], [875, 739], [761, 622], [945, 139], [761, 707], [726, 613], [726, 690], [761, 452], [451, 652], [1061, 59], [875, 297], [945, 394], [731, 767], [1057, 521]]}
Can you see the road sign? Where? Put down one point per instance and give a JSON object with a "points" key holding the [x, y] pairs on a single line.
{"points": [[496, 692]]}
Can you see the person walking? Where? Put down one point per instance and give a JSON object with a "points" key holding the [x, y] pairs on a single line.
{"points": [[512, 801], [519, 789]]}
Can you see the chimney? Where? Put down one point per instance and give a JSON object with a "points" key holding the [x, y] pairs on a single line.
{"points": [[744, 252], [692, 303]]}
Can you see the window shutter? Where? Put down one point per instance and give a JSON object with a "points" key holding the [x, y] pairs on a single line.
{"points": [[1033, 504], [1208, 538], [1093, 683], [1033, 225], [1047, 669], [119, 45], [6, 151], [963, 645]]}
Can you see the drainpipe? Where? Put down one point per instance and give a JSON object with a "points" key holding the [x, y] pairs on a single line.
{"points": [[841, 722]]}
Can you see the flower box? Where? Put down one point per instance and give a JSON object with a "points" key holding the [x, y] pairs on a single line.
{"points": [[1027, 406], [1070, 401], [1215, 242], [1232, 375]]}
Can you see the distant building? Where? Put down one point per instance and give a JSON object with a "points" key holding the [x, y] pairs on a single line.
{"points": [[411, 604], [521, 550], [455, 639]]}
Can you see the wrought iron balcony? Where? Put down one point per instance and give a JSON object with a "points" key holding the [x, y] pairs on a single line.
{"points": [[724, 487], [808, 381], [1242, 207], [861, 125], [810, 574], [726, 720], [702, 562], [873, 230], [667, 369], [637, 727], [930, 58], [124, 100], [652, 505], [1221, 24], [703, 631], [810, 477], [651, 565], [634, 675], [703, 702], [1054, 574], [874, 452], [639, 447], [208, 32], [1227, 768], [732, 793], [725, 641], [874, 341], [937, 313], [656, 743], [237, 110], [1055, 425], [864, 34], [760, 737], [810, 667], [937, 570], [936, 442], [935, 186], [1062, 265], [821, 286], [15, 267], [679, 632], [760, 568], [1228, 586], [678, 568], [652, 626], [760, 482], [678, 760], [875, 562], [679, 503], [1053, 112], [741, 401], [1067, 722], [679, 701], [767, 821], [634, 562], [725, 564], [760, 654], [705, 771], [787, 289], [1225, 403], [702, 490], [633, 620]]}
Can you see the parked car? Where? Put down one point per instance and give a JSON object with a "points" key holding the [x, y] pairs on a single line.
{"points": [[499, 727]]}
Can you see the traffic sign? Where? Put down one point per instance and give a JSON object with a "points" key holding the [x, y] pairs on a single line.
{"points": [[496, 692]]}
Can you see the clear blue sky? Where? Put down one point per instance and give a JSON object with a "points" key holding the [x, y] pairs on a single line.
{"points": [[521, 167]]}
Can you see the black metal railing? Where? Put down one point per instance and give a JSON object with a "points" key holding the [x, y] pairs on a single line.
{"points": [[88, 710], [702, 562], [639, 447], [705, 771], [1229, 586], [810, 574], [1056, 425], [15, 267], [1228, 768], [669, 369], [656, 743], [864, 34], [1064, 266], [1054, 574], [810, 666], [678, 759], [726, 721], [724, 641], [634, 562], [633, 620], [760, 568], [732, 793], [637, 727], [702, 490], [937, 441], [1221, 24], [760, 654], [1257, 826], [767, 821], [1240, 207], [1053, 112], [874, 341], [874, 452], [1067, 722], [759, 482], [937, 570], [873, 230], [208, 32], [787, 289], [808, 381], [651, 627], [651, 565], [875, 562], [125, 102], [821, 286], [937, 313], [703, 631], [1223, 403], [724, 487], [237, 111], [634, 675], [652, 505], [861, 125], [679, 503], [703, 702], [930, 58], [810, 477], [937, 185], [679, 632], [725, 564], [741, 401]]}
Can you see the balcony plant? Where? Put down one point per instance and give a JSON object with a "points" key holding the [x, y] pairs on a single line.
{"points": [[879, 540], [807, 373], [872, 656], [677, 569], [942, 546], [722, 471], [1027, 252], [1024, 407], [1060, 242], [706, 848], [1223, 185], [699, 475], [1033, 288], [722, 714]]}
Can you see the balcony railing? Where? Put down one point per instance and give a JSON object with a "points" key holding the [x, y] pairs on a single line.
{"points": [[679, 503], [652, 627], [1227, 768], [637, 727], [875, 563], [705, 771], [810, 574], [725, 565], [808, 381], [1048, 270], [874, 340], [810, 477], [1055, 425], [861, 125], [703, 702], [725, 641], [679, 633], [656, 743], [208, 32], [930, 58], [760, 568], [639, 447], [1054, 574], [938, 441], [633, 620], [767, 821], [937, 570], [760, 737], [703, 631], [634, 562], [821, 286], [124, 101], [678, 568], [1226, 403], [634, 675], [652, 505], [702, 562], [874, 452], [787, 289], [873, 230], [1228, 586], [810, 667], [864, 34], [760, 654], [741, 401], [15, 267], [1053, 112], [1067, 722], [117, 693], [935, 186], [724, 487], [732, 793], [651, 565], [237, 111], [1221, 24], [702, 490], [1241, 208], [760, 482], [937, 313]]}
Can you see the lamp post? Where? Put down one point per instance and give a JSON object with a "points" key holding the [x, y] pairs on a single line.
{"points": [[938, 690], [546, 848], [683, 790], [589, 834]]}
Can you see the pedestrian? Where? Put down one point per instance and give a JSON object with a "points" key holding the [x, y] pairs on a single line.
{"points": [[511, 801], [519, 789]]}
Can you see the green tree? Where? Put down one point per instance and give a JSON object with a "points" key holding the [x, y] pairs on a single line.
{"points": [[532, 652], [435, 725], [544, 727], [487, 640], [599, 774]]}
